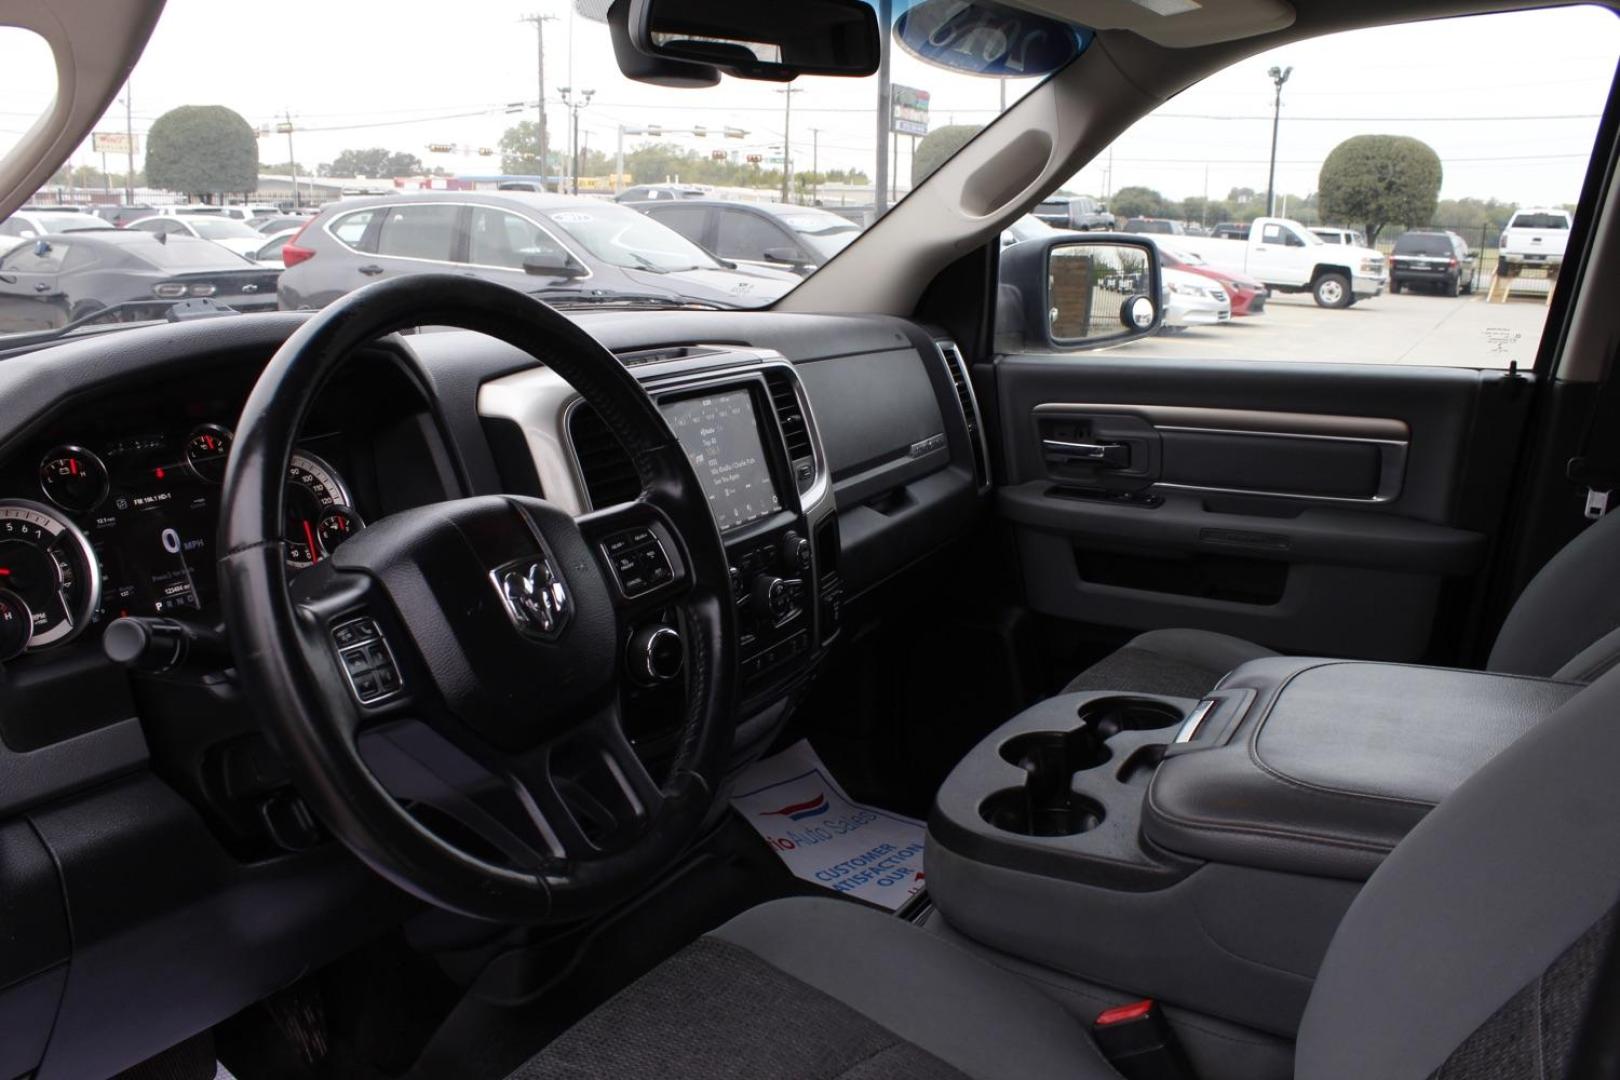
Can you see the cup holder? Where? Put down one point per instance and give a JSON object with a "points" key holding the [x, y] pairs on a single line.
{"points": [[1023, 811], [1111, 715], [1045, 805]]}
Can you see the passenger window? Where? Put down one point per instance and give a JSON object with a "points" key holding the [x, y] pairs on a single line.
{"points": [[351, 228], [497, 238], [1386, 152], [30, 259], [689, 221], [742, 235], [419, 232]]}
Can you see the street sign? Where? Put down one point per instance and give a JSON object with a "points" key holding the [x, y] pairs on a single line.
{"points": [[909, 112], [111, 142], [736, 133]]}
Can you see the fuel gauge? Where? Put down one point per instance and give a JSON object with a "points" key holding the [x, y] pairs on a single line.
{"points": [[206, 451], [337, 524], [73, 478]]}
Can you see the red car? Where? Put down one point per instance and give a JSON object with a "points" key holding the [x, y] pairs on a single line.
{"points": [[1248, 295]]}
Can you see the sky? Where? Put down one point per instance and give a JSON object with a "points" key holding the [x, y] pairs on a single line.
{"points": [[1510, 102]]}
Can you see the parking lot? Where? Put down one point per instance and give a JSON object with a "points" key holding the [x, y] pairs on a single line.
{"points": [[1407, 328]]}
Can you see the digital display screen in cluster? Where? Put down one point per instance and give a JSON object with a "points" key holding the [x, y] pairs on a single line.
{"points": [[721, 437]]}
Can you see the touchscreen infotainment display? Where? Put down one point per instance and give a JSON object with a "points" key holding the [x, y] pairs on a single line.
{"points": [[721, 436]]}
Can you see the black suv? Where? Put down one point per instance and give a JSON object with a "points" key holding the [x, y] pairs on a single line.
{"points": [[1432, 257]]}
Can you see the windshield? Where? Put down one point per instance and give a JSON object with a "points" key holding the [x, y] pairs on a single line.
{"points": [[64, 223], [1540, 221], [390, 100], [626, 239], [1423, 244], [223, 229]]}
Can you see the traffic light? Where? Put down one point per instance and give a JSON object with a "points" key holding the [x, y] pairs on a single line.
{"points": [[484, 151], [654, 130], [699, 130], [755, 159], [718, 155], [439, 148], [736, 133]]}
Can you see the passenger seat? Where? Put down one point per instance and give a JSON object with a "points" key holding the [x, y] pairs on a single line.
{"points": [[1565, 625]]}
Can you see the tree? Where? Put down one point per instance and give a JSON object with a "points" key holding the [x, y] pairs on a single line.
{"points": [[936, 148], [1129, 202], [202, 150], [374, 163], [517, 146], [1379, 180]]}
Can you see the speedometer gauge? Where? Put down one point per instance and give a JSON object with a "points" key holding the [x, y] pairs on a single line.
{"points": [[313, 489], [49, 565]]}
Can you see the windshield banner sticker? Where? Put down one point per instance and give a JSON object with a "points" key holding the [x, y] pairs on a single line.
{"points": [[793, 802]]}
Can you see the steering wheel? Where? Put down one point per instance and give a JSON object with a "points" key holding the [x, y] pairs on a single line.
{"points": [[464, 660]]}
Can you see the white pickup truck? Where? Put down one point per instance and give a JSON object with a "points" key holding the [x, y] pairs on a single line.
{"points": [[1533, 237], [1288, 257]]}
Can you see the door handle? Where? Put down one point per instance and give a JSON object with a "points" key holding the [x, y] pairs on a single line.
{"points": [[371, 269], [42, 287], [1108, 455]]}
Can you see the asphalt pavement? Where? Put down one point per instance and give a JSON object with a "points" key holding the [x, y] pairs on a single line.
{"points": [[1408, 328]]}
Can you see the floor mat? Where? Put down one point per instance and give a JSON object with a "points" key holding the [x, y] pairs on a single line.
{"points": [[823, 837]]}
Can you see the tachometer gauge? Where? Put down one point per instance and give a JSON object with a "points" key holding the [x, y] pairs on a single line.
{"points": [[206, 450], [73, 478], [49, 564], [313, 489], [337, 524]]}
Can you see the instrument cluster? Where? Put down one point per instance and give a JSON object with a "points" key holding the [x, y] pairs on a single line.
{"points": [[127, 527]]}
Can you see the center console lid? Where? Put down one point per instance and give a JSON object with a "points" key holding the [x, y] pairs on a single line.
{"points": [[1333, 762]]}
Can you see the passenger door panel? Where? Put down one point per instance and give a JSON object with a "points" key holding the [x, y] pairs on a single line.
{"points": [[1310, 507]]}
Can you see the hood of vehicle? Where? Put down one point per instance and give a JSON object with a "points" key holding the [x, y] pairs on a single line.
{"points": [[1227, 278], [705, 283]]}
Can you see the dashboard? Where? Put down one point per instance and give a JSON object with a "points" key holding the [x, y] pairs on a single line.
{"points": [[835, 453]]}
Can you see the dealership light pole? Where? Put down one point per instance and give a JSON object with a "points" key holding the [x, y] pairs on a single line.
{"points": [[1279, 75], [129, 148]]}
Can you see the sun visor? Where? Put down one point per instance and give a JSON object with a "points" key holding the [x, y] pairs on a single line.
{"points": [[1175, 24]]}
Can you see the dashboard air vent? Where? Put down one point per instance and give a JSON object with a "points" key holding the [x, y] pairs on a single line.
{"points": [[795, 428], [956, 367], [603, 465]]}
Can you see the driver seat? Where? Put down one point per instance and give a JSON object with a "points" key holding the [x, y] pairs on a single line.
{"points": [[1471, 952]]}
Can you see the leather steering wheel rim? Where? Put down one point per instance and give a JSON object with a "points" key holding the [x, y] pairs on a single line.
{"points": [[294, 678]]}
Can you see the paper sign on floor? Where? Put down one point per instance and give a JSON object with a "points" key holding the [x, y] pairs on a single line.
{"points": [[794, 803]]}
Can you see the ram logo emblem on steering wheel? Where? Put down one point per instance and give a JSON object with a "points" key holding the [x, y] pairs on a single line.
{"points": [[535, 596]]}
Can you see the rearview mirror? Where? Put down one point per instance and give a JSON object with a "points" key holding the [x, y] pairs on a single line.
{"points": [[1080, 293], [760, 41], [551, 264]]}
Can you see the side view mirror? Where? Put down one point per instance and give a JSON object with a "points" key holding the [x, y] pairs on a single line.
{"points": [[785, 255], [551, 264], [1075, 293]]}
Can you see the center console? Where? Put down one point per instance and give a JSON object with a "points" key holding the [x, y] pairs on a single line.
{"points": [[1203, 852]]}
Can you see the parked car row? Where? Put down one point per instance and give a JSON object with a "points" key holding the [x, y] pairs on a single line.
{"points": [[674, 243]]}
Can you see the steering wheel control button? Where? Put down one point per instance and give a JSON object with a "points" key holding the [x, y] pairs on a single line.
{"points": [[656, 655], [640, 563], [367, 661], [534, 594]]}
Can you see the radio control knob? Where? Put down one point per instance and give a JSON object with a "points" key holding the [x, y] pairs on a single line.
{"points": [[796, 555], [770, 598], [656, 655]]}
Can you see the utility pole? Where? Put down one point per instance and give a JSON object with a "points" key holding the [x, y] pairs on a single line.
{"points": [[815, 166], [129, 147], [880, 179], [540, 68], [292, 161], [1279, 75], [787, 93]]}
